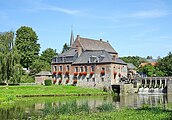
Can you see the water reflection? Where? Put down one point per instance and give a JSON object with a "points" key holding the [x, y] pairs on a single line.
{"points": [[35, 108], [138, 100]]}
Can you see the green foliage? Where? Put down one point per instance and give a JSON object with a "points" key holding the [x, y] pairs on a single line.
{"points": [[136, 60], [48, 54], [39, 65], [48, 82], [67, 108], [105, 107], [150, 70], [27, 79], [26, 43], [145, 113], [10, 68], [165, 65], [66, 47]]}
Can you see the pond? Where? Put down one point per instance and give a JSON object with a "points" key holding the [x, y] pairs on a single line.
{"points": [[27, 107]]}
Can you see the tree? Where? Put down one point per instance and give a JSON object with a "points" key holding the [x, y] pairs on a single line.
{"points": [[150, 70], [66, 47], [26, 43], [48, 54], [39, 65], [10, 68], [165, 64], [149, 57], [136, 60]]}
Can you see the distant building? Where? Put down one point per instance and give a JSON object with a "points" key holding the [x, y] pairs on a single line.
{"points": [[43, 75], [153, 62], [89, 63], [131, 70]]}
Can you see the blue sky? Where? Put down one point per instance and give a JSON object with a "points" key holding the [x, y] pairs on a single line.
{"points": [[133, 27]]}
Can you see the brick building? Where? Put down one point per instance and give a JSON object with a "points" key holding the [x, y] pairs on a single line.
{"points": [[89, 63]]}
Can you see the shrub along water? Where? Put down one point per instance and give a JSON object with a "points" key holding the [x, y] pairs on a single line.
{"points": [[48, 82], [144, 113]]}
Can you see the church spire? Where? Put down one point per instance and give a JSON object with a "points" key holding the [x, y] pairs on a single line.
{"points": [[71, 37]]}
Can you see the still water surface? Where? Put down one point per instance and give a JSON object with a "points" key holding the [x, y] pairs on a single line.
{"points": [[39, 106]]}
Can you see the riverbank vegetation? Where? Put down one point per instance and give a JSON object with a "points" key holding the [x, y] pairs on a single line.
{"points": [[105, 111], [74, 108], [9, 93]]}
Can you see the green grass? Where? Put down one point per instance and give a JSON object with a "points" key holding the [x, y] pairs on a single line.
{"points": [[122, 114], [9, 93]]}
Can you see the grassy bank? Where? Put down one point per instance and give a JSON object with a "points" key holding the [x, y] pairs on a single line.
{"points": [[145, 113], [9, 93]]}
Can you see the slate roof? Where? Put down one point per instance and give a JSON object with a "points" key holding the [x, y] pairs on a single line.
{"points": [[117, 60], [70, 52], [91, 44], [151, 60], [107, 58], [131, 66], [44, 73]]}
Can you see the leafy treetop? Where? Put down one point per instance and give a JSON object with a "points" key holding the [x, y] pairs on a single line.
{"points": [[26, 43]]}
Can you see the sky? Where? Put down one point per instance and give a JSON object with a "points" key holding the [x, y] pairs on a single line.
{"points": [[133, 27]]}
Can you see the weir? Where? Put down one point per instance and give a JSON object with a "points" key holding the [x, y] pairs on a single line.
{"points": [[155, 85], [146, 85]]}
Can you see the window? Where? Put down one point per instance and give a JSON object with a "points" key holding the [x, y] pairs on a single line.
{"points": [[93, 59], [69, 58], [85, 68], [64, 59], [81, 69], [54, 59], [60, 68], [76, 69], [55, 68], [87, 79], [67, 67], [101, 57], [102, 79], [93, 79], [92, 68], [60, 59]]}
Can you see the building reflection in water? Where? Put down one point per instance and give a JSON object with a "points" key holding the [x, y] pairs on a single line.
{"points": [[134, 101], [137, 101]]}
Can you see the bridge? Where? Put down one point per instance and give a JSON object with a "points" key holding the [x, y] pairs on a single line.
{"points": [[161, 84], [155, 81]]}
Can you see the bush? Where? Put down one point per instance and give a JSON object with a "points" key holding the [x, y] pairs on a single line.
{"points": [[48, 82], [27, 79]]}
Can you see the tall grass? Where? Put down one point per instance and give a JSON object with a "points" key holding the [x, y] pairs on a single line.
{"points": [[72, 108], [145, 113], [105, 107]]}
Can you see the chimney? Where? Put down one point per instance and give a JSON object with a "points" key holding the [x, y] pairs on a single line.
{"points": [[79, 50]]}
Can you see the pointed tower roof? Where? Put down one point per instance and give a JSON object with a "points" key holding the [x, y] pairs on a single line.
{"points": [[71, 38]]}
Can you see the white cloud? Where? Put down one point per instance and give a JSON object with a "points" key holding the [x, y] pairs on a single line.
{"points": [[39, 6], [148, 14], [59, 9]]}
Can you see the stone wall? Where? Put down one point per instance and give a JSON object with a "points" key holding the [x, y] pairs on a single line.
{"points": [[97, 80], [40, 79], [126, 89], [169, 86]]}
